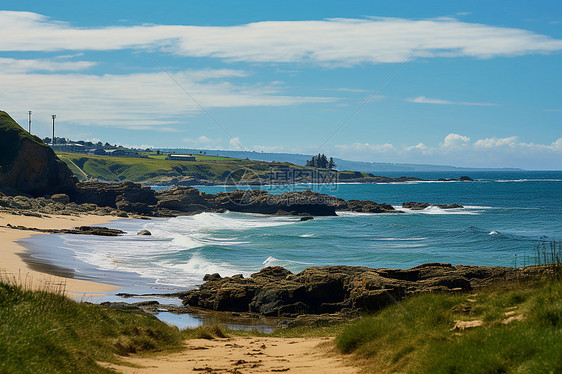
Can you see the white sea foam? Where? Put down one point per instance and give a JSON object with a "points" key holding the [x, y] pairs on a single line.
{"points": [[526, 180], [398, 239], [344, 213], [436, 210], [309, 235], [272, 261]]}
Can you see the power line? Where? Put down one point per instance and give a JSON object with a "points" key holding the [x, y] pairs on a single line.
{"points": [[200, 106]]}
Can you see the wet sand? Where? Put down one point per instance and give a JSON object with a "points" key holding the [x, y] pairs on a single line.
{"points": [[33, 273]]}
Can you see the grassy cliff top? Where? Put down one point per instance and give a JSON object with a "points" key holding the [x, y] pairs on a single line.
{"points": [[11, 137]]}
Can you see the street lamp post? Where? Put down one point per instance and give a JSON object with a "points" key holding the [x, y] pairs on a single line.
{"points": [[53, 116], [29, 114]]}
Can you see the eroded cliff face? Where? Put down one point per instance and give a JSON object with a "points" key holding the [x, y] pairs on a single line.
{"points": [[29, 166]]}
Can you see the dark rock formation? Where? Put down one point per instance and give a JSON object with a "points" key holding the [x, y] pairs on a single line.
{"points": [[275, 291], [29, 166], [415, 206], [150, 307], [127, 196], [190, 200], [306, 218], [421, 206], [144, 232], [366, 206], [464, 178], [82, 230], [61, 198]]}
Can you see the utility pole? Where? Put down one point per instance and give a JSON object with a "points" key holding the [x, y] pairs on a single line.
{"points": [[29, 114], [53, 116]]}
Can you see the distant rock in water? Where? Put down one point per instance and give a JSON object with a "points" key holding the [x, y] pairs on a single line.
{"points": [[144, 232], [421, 206], [81, 230], [29, 166]]}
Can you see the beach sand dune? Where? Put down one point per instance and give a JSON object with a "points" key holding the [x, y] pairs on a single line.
{"points": [[245, 355]]}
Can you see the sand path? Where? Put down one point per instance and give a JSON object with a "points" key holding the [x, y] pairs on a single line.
{"points": [[245, 355]]}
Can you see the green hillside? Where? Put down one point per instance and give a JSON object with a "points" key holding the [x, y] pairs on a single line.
{"points": [[155, 169], [10, 140]]}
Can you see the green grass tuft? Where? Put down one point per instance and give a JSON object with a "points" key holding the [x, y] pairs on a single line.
{"points": [[418, 334], [42, 331]]}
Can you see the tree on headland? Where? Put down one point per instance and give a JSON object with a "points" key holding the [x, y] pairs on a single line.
{"points": [[321, 161]]}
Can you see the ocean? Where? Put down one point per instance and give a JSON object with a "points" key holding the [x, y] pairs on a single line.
{"points": [[506, 217]]}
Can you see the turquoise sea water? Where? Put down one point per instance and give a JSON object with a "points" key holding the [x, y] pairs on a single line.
{"points": [[506, 216]]}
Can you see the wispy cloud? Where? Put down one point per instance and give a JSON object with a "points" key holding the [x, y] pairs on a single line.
{"points": [[334, 42], [11, 65], [136, 101], [427, 100]]}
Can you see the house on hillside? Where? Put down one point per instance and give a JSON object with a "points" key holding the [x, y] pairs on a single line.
{"points": [[97, 152], [68, 147], [180, 157], [122, 152]]}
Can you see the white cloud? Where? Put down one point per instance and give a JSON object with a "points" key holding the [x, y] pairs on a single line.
{"points": [[235, 142], [418, 147], [343, 42], [495, 142], [11, 65], [426, 100], [454, 141], [457, 150], [137, 101], [202, 141]]}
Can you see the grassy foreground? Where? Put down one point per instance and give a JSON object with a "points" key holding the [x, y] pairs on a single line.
{"points": [[520, 332], [45, 332]]}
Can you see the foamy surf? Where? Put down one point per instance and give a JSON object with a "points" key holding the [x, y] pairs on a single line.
{"points": [[436, 210]]}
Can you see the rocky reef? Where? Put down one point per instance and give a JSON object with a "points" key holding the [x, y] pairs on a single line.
{"points": [[29, 166], [421, 206], [80, 230], [275, 291], [130, 199]]}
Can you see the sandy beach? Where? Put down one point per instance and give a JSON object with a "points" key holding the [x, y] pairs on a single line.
{"points": [[245, 355], [12, 266], [240, 354]]}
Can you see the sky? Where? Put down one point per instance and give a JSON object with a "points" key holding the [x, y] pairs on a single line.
{"points": [[472, 83]]}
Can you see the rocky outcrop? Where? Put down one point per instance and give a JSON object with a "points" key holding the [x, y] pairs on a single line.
{"points": [[275, 291], [464, 178], [81, 230], [150, 307], [190, 200], [421, 206], [366, 206], [22, 205], [29, 166], [127, 196]]}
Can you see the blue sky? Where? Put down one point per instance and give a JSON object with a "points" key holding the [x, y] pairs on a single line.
{"points": [[460, 83]]}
